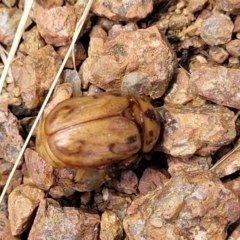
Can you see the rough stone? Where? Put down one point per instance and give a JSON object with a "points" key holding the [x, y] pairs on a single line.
{"points": [[218, 54], [5, 230], [50, 3], [140, 61], [15, 181], [79, 55], [196, 5], [194, 163], [231, 6], [5, 167], [237, 24], [86, 198], [93, 90], [233, 47], [127, 182], [72, 77], [191, 206], [10, 140], [10, 3], [38, 170], [229, 166], [57, 25], [106, 23], [180, 92], [193, 30], [196, 130], [115, 203], [205, 78], [178, 21], [9, 20], [32, 41], [175, 21], [151, 179], [3, 180], [122, 10], [212, 30], [35, 74], [111, 226], [234, 186], [233, 61], [22, 203], [58, 222], [195, 42]]}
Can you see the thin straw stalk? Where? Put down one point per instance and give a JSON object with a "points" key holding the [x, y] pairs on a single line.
{"points": [[16, 40]]}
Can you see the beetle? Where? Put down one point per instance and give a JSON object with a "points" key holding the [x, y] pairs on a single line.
{"points": [[97, 131]]}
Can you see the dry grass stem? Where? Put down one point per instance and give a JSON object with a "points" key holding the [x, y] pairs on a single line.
{"points": [[3, 53], [74, 60], [16, 40], [225, 157]]}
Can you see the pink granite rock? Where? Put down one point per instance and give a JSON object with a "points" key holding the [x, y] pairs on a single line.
{"points": [[35, 74], [57, 25], [56, 222], [217, 84], [196, 130], [122, 10], [195, 205], [212, 30], [140, 61]]}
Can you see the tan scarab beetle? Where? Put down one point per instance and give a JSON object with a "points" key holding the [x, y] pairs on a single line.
{"points": [[93, 132]]}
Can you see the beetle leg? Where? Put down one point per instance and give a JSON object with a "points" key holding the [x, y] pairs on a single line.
{"points": [[128, 161], [79, 174]]}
